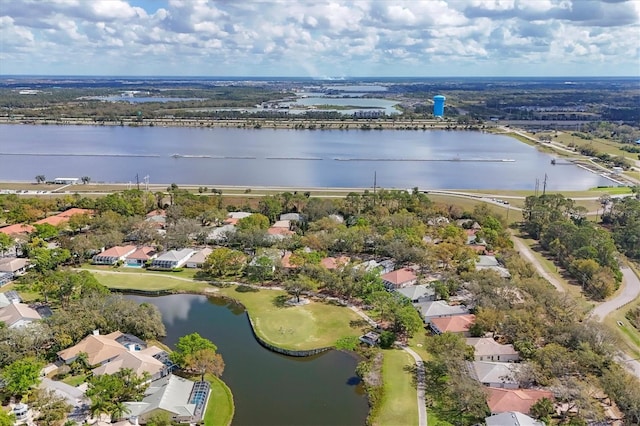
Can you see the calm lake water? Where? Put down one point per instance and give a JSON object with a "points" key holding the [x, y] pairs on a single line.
{"points": [[268, 389], [432, 159]]}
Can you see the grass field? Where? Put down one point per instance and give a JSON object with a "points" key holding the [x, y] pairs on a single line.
{"points": [[75, 380], [399, 405], [628, 335], [189, 273], [220, 408], [310, 326], [148, 282]]}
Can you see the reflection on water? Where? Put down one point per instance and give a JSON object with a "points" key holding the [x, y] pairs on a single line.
{"points": [[268, 388]]}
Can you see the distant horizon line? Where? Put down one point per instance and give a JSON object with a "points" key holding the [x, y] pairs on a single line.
{"points": [[318, 78]]}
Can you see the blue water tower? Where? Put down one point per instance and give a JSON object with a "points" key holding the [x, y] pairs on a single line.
{"points": [[438, 105]]}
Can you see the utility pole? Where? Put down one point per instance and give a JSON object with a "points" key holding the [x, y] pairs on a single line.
{"points": [[544, 185], [375, 175], [137, 182], [537, 186], [146, 183]]}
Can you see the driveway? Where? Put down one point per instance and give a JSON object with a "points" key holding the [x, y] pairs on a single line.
{"points": [[528, 254], [73, 395]]}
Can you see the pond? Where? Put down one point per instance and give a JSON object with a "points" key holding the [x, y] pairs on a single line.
{"points": [[268, 388]]}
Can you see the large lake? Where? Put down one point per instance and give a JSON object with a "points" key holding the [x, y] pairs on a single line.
{"points": [[268, 388], [431, 159]]}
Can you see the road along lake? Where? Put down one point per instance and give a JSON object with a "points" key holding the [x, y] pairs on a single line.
{"points": [[428, 159], [268, 388]]}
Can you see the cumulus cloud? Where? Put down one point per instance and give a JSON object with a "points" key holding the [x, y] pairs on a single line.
{"points": [[319, 38]]}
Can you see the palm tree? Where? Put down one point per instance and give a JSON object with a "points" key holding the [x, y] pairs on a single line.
{"points": [[118, 410]]}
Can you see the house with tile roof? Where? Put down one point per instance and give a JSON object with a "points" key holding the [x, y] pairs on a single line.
{"points": [[140, 361], [183, 400], [487, 349], [198, 258], [511, 418], [63, 217], [332, 263], [418, 293], [172, 259], [399, 278], [505, 400], [439, 309], [15, 266], [17, 315], [453, 324], [113, 255], [99, 348], [495, 374], [17, 229], [140, 257]]}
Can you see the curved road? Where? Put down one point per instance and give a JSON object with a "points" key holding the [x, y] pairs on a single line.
{"points": [[630, 290]]}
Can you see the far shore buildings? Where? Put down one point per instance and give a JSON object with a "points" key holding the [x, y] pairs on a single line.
{"points": [[399, 278], [113, 255], [459, 324], [487, 349], [198, 259], [521, 400], [101, 348], [18, 315], [140, 257]]}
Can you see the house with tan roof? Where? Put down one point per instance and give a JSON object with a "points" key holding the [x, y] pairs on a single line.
{"points": [[99, 348], [455, 324], [63, 217], [487, 349], [280, 229], [495, 374], [158, 218], [199, 258], [17, 315], [17, 229], [504, 400], [113, 255], [140, 361], [332, 263], [139, 258], [15, 266], [399, 278]]}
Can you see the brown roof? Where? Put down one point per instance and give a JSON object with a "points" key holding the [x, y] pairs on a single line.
{"points": [[157, 213], [63, 216], [99, 348], [118, 251], [334, 263], [231, 221], [487, 346], [279, 231], [286, 261], [12, 264], [138, 361], [74, 211], [501, 400], [454, 324], [19, 228], [399, 276], [143, 253]]}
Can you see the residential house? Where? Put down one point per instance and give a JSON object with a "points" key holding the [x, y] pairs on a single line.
{"points": [[511, 418], [487, 349], [505, 400], [234, 217], [63, 217], [140, 257], [17, 315], [172, 259], [147, 360], [399, 278], [294, 217], [5, 278], [219, 234], [100, 348], [199, 258], [8, 297], [495, 374], [183, 400], [439, 309], [280, 229], [158, 218], [384, 266], [17, 229], [455, 324], [490, 262], [113, 255], [371, 338], [418, 293], [15, 266], [335, 262]]}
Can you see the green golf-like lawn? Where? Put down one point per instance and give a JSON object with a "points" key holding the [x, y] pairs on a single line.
{"points": [[310, 326], [148, 282], [399, 405], [220, 408]]}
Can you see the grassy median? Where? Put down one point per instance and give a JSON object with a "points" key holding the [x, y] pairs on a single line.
{"points": [[399, 405]]}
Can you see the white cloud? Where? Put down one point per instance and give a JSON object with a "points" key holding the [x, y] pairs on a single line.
{"points": [[319, 38]]}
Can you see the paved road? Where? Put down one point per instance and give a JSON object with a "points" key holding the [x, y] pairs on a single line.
{"points": [[528, 254], [630, 290]]}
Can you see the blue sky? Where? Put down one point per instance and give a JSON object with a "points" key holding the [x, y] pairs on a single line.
{"points": [[320, 38]]}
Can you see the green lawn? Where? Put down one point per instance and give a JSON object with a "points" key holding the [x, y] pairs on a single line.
{"points": [[628, 335], [399, 405], [310, 326], [148, 282], [26, 296], [220, 408], [184, 273], [75, 380]]}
